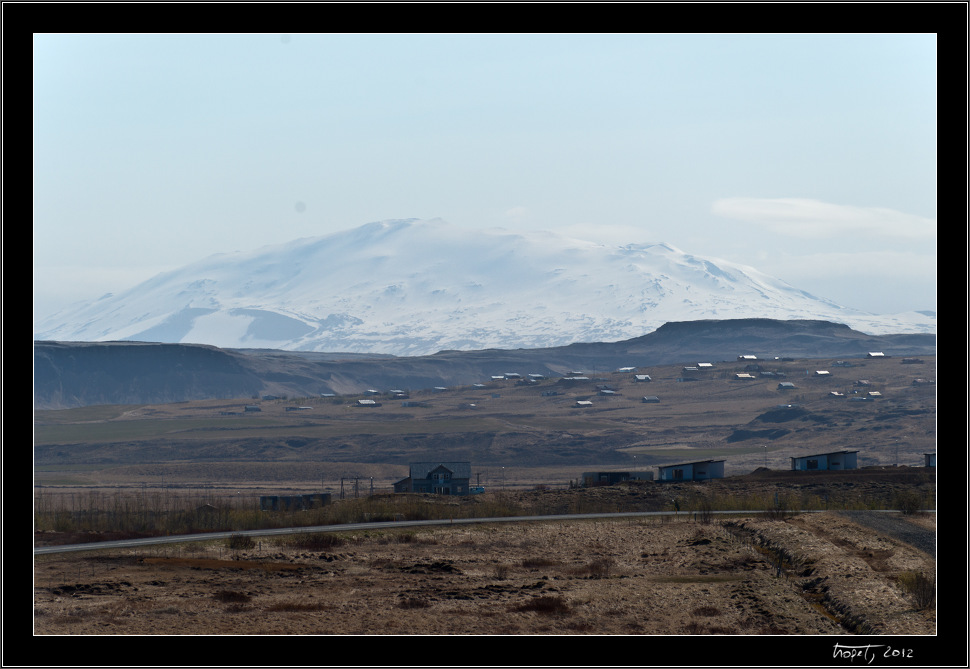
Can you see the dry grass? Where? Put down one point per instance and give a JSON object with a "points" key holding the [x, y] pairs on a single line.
{"points": [[554, 578]]}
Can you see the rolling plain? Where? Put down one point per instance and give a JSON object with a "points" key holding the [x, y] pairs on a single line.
{"points": [[136, 470]]}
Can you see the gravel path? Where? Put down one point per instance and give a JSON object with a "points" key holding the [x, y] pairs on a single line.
{"points": [[897, 527]]}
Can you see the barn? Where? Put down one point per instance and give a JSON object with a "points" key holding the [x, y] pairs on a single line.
{"points": [[700, 470], [837, 460]]}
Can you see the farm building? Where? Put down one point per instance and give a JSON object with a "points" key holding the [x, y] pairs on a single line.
{"points": [[583, 403], [876, 354], [822, 461], [786, 385], [592, 479], [440, 478], [642, 378], [650, 399], [692, 471], [293, 502]]}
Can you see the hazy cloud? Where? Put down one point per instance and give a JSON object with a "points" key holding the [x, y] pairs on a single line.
{"points": [[516, 213], [812, 219]]}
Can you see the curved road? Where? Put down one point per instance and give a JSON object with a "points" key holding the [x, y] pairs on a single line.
{"points": [[214, 536]]}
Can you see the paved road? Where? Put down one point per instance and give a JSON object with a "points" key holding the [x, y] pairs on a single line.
{"points": [[348, 527], [897, 527]]}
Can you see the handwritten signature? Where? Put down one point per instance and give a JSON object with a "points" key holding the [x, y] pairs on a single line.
{"points": [[869, 652]]}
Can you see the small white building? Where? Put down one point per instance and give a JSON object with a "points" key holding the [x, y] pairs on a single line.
{"points": [[825, 461], [701, 470]]}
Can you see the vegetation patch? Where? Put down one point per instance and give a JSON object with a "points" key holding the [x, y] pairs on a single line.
{"points": [[548, 605]]}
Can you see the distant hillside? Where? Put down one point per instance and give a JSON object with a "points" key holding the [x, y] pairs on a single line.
{"points": [[74, 374]]}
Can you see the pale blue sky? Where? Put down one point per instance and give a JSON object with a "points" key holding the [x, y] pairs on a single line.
{"points": [[809, 157]]}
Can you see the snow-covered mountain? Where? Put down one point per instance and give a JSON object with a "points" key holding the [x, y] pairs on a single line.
{"points": [[414, 287]]}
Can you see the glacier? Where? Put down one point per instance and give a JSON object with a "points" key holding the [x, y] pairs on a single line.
{"points": [[415, 287]]}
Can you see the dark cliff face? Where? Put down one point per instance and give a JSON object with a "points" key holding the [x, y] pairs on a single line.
{"points": [[73, 374], [79, 374]]}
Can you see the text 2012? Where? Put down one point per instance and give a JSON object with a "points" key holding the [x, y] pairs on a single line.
{"points": [[869, 653]]}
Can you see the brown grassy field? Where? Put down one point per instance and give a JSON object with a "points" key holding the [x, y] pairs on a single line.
{"points": [[515, 436], [811, 574]]}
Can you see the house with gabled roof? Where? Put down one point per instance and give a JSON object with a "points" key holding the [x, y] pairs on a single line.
{"points": [[439, 478]]}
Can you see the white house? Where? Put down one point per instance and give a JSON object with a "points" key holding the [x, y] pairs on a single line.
{"points": [[692, 471], [822, 461]]}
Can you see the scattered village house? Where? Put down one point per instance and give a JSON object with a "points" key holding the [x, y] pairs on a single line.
{"points": [[440, 478], [822, 461], [692, 471]]}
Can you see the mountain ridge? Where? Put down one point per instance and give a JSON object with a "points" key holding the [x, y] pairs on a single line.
{"points": [[73, 374]]}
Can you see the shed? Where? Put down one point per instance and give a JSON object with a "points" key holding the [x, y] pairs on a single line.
{"points": [[876, 354], [651, 399], [583, 403], [786, 385], [591, 479], [700, 470], [836, 460], [642, 378]]}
